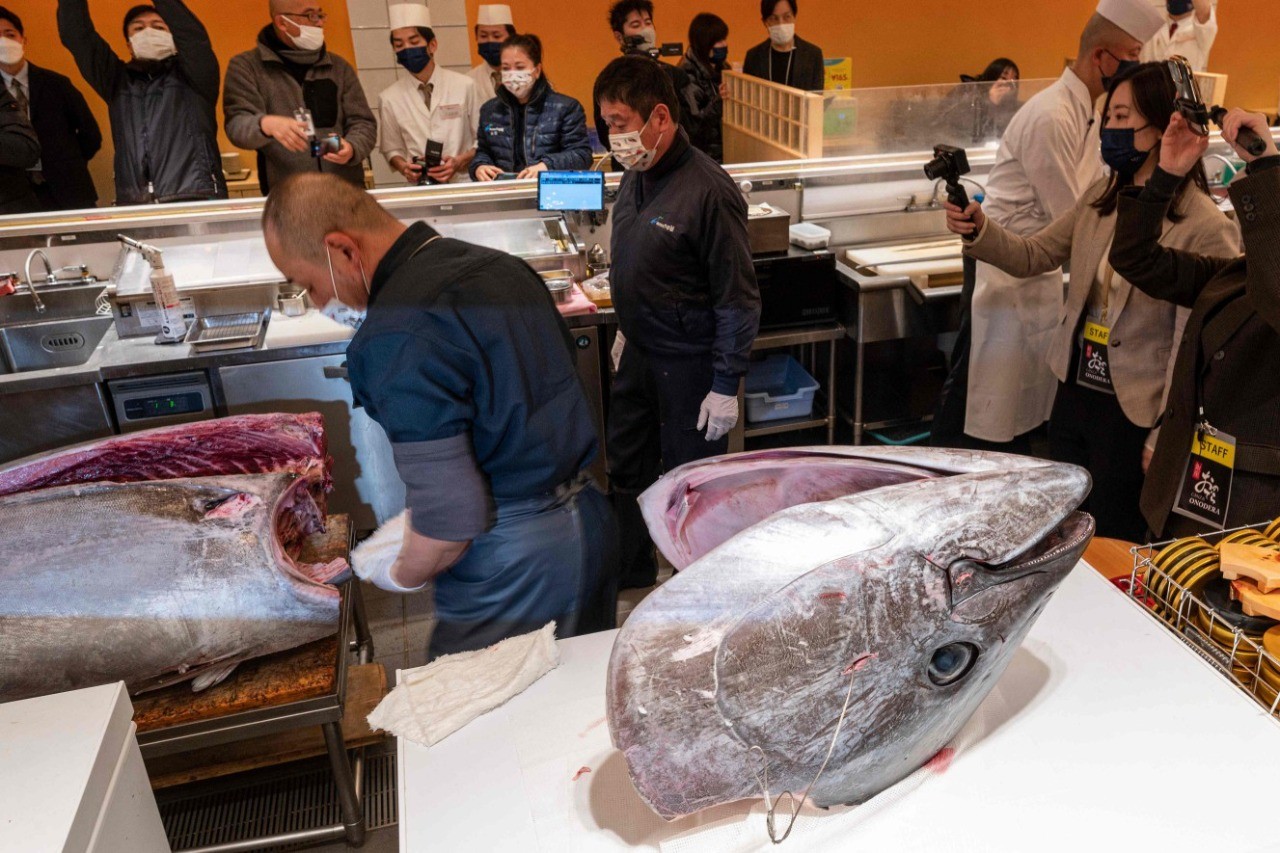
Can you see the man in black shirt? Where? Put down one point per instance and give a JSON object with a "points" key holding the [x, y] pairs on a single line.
{"points": [[632, 24], [783, 57], [685, 293], [466, 364]]}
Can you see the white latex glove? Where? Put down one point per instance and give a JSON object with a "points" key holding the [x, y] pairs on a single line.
{"points": [[374, 558], [616, 353], [719, 413]]}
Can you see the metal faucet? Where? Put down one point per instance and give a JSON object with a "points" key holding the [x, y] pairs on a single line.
{"points": [[50, 278]]}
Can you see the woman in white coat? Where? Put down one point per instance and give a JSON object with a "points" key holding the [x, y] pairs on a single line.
{"points": [[1111, 350]]}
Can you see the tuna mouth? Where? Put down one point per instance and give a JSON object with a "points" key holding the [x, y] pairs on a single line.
{"points": [[1071, 535], [297, 516]]}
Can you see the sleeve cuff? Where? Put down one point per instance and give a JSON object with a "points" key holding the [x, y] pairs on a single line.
{"points": [[458, 512], [725, 384], [1263, 164], [1162, 187]]}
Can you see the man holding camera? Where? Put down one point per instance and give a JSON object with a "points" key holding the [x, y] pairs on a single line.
{"points": [[1048, 156], [632, 24], [289, 71], [429, 120]]}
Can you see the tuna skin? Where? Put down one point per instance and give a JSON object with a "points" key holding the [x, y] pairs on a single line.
{"points": [[756, 643], [151, 582]]}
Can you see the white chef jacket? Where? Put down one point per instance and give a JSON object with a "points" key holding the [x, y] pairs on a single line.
{"points": [[1191, 39], [482, 76], [1048, 157], [406, 125]]}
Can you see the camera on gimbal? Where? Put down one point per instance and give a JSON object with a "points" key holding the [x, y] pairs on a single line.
{"points": [[1191, 104], [948, 164]]}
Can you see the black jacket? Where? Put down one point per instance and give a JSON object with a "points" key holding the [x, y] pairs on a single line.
{"points": [[554, 131], [19, 151], [703, 107], [807, 70], [682, 277], [69, 138], [1229, 355], [163, 114]]}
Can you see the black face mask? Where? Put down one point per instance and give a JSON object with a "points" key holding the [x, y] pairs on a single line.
{"points": [[1122, 67]]}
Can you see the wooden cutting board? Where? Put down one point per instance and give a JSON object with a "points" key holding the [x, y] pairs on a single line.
{"points": [[926, 259]]}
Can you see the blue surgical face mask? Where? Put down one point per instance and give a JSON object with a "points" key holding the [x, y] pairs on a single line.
{"points": [[414, 59], [491, 52], [719, 55], [1120, 153]]}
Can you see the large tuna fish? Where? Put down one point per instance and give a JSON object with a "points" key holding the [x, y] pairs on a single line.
{"points": [[156, 581], [843, 611]]}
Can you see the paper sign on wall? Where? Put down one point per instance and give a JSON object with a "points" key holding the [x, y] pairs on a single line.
{"points": [[839, 73]]}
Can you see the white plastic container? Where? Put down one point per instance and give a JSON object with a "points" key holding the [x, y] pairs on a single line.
{"points": [[806, 235]]}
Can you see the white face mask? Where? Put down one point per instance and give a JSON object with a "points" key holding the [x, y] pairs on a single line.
{"points": [[337, 310], [11, 51], [781, 34], [308, 38], [150, 43], [518, 83], [628, 149], [650, 36]]}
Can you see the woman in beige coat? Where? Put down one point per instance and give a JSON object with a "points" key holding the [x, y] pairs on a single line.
{"points": [[1112, 350]]}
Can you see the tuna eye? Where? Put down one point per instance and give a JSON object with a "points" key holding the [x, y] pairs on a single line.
{"points": [[951, 663]]}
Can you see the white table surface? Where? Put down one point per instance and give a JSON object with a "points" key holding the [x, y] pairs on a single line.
{"points": [[1105, 733]]}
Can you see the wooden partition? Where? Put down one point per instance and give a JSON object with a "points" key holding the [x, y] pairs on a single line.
{"points": [[767, 121]]}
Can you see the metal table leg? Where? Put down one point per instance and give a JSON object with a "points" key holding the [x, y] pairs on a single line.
{"points": [[348, 796], [832, 417], [363, 643]]}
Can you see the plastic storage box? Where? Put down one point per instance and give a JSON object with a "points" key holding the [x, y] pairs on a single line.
{"points": [[778, 388], [806, 235]]}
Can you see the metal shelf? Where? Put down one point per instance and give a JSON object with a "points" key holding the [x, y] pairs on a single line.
{"points": [[787, 425]]}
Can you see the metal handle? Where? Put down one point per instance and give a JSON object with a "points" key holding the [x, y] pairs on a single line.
{"points": [[339, 372]]}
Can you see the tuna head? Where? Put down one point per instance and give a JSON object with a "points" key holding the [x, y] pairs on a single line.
{"points": [[886, 616]]}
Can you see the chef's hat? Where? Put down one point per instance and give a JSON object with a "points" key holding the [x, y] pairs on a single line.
{"points": [[1138, 18], [408, 15], [494, 16]]}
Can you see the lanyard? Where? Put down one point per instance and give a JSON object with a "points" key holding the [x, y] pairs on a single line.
{"points": [[425, 244], [1107, 277]]}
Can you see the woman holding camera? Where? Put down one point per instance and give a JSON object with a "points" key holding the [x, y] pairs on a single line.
{"points": [[529, 128], [703, 101], [1224, 397], [1112, 349]]}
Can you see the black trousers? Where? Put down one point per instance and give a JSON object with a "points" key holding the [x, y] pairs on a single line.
{"points": [[653, 427], [1088, 428]]}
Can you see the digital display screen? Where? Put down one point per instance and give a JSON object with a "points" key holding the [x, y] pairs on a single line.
{"points": [[570, 191], [164, 406]]}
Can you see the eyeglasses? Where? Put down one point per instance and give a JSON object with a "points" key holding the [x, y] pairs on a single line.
{"points": [[315, 17]]}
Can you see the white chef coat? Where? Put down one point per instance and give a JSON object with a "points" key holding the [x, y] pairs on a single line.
{"points": [[482, 76], [1191, 39], [406, 124], [1048, 157]]}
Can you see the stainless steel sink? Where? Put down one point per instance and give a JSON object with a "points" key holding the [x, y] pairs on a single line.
{"points": [[51, 343], [62, 302]]}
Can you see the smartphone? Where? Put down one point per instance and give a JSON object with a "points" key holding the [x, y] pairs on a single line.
{"points": [[507, 176], [432, 156]]}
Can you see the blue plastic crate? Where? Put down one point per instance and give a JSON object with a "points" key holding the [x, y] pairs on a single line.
{"points": [[778, 388]]}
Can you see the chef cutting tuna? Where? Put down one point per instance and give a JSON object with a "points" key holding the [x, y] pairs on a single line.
{"points": [[464, 361]]}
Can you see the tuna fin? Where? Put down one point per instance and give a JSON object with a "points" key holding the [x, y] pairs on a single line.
{"points": [[214, 674]]}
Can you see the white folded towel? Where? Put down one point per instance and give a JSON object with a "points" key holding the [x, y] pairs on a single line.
{"points": [[432, 702]]}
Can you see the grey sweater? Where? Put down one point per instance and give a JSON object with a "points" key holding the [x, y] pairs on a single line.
{"points": [[260, 84]]}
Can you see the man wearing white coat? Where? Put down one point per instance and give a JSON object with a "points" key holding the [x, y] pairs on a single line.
{"points": [[1189, 32], [1049, 155], [494, 25]]}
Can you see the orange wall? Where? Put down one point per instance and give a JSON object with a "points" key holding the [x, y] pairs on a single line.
{"points": [[916, 41], [233, 26]]}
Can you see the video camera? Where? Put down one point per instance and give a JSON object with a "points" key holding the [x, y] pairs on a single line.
{"points": [[1191, 104], [671, 48], [948, 164]]}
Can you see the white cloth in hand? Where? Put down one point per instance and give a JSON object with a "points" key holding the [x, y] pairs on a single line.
{"points": [[374, 558], [432, 702], [719, 413], [616, 353]]}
